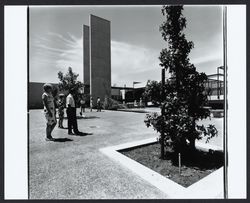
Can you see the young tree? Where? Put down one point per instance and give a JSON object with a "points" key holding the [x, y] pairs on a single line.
{"points": [[184, 91], [69, 81]]}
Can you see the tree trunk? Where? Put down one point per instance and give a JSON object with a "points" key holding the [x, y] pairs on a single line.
{"points": [[162, 135], [192, 144], [162, 146], [162, 111], [192, 138]]}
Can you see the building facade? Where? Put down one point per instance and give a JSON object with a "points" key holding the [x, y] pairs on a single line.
{"points": [[97, 58]]}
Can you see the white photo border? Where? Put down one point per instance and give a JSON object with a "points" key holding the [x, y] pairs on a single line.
{"points": [[16, 132]]}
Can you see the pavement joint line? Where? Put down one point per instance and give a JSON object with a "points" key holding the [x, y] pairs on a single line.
{"points": [[208, 187]]}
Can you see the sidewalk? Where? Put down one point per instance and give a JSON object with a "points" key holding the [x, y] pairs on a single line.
{"points": [[76, 169]]}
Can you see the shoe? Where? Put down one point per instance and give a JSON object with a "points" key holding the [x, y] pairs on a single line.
{"points": [[70, 133]]}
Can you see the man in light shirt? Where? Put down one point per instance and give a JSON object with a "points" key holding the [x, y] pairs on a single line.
{"points": [[71, 114]]}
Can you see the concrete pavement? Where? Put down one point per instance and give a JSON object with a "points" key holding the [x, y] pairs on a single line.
{"points": [[77, 169], [74, 168]]}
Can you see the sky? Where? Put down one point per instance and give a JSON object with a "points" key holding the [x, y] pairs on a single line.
{"points": [[56, 40]]}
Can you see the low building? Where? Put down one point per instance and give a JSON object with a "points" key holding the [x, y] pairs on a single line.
{"points": [[35, 92]]}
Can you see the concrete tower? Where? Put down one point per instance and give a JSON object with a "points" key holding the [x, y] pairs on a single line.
{"points": [[100, 58], [86, 59]]}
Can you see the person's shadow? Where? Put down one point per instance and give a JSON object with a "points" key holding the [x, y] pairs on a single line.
{"points": [[82, 134], [86, 117], [62, 140]]}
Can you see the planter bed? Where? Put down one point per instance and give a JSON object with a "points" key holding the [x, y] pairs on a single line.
{"points": [[209, 183], [192, 170]]}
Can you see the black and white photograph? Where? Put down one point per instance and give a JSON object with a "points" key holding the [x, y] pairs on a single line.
{"points": [[132, 102]]}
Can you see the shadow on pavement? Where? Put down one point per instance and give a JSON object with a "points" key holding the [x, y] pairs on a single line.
{"points": [[64, 128], [81, 117], [62, 140], [87, 117], [82, 134]]}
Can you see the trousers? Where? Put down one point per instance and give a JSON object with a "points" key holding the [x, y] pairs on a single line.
{"points": [[72, 122]]}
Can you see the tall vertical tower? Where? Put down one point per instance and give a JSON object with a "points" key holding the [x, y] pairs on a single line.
{"points": [[100, 58], [86, 59]]}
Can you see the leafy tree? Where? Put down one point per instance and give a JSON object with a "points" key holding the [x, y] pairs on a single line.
{"points": [[69, 81], [184, 92], [152, 92]]}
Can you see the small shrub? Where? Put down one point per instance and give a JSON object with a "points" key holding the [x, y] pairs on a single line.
{"points": [[111, 104]]}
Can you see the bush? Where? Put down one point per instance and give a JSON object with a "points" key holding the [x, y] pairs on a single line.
{"points": [[111, 104]]}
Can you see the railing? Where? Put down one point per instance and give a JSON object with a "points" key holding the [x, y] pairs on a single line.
{"points": [[215, 88]]}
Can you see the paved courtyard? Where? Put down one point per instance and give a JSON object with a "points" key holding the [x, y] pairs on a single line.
{"points": [[74, 168]]}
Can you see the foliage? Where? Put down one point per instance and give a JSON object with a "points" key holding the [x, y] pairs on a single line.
{"points": [[54, 91], [69, 81], [112, 104], [183, 94], [153, 92], [209, 92]]}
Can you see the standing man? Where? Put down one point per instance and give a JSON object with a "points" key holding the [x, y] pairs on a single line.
{"points": [[71, 114], [98, 104]]}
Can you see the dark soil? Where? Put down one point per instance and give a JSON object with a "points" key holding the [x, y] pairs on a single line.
{"points": [[193, 168]]}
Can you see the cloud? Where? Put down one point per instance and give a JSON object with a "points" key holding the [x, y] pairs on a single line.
{"points": [[207, 55], [129, 62], [57, 52], [133, 63], [206, 58], [72, 56], [54, 53]]}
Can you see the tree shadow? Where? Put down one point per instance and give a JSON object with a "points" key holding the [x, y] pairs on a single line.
{"points": [[200, 159], [62, 140]]}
